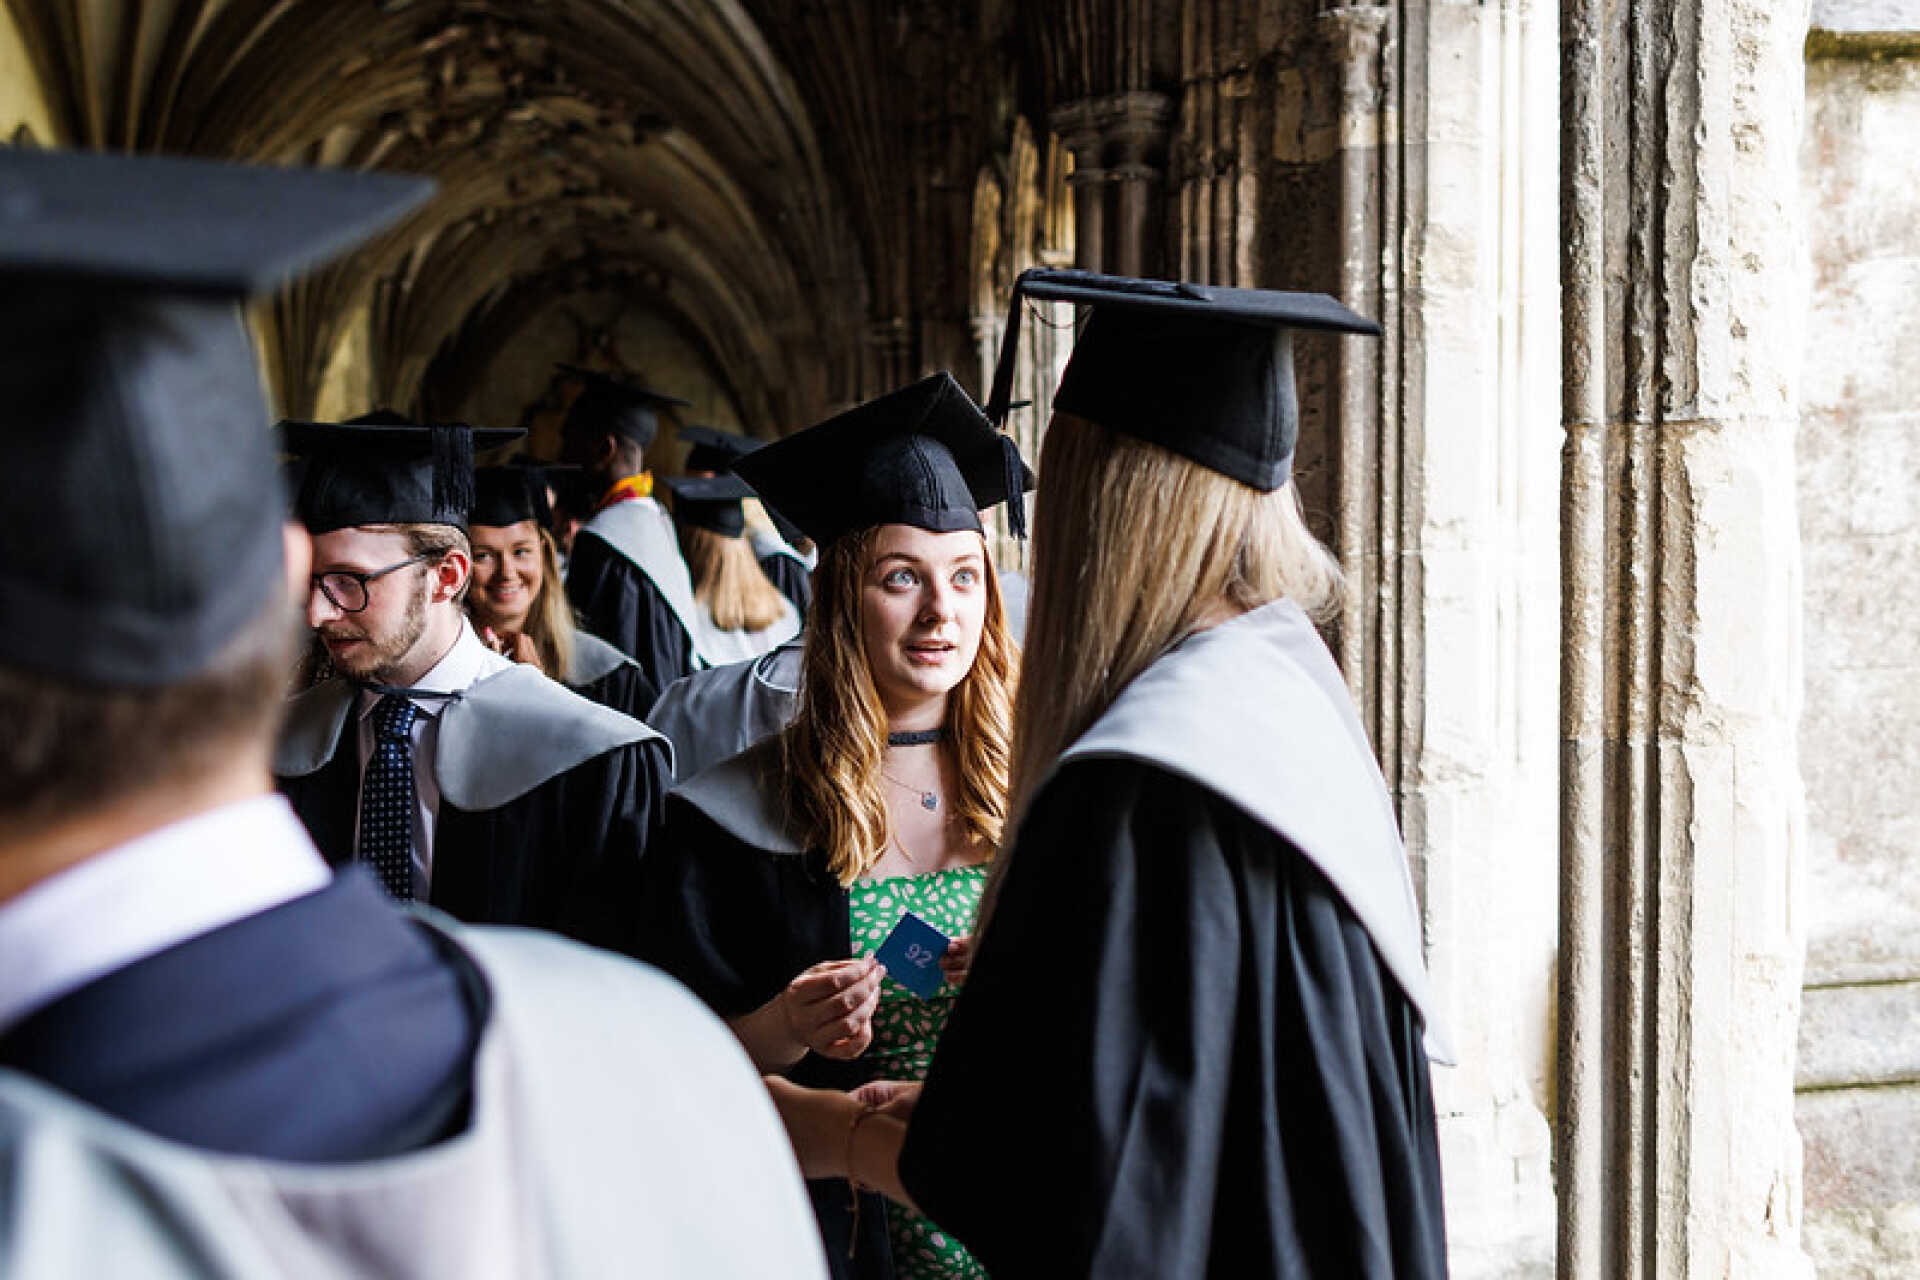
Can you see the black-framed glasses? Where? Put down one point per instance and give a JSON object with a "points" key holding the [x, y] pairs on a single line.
{"points": [[347, 590]]}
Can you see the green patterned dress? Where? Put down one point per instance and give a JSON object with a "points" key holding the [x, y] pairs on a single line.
{"points": [[905, 1029]]}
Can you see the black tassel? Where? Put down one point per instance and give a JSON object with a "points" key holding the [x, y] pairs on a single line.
{"points": [[1016, 477], [1001, 394], [453, 470]]}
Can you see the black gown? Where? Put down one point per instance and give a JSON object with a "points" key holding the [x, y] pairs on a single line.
{"points": [[1177, 1054], [736, 922], [619, 603], [793, 578], [602, 674], [563, 856]]}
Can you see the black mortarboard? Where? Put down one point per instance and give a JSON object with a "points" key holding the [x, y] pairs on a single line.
{"points": [[1201, 370], [508, 495], [711, 503], [380, 468], [714, 450], [923, 455], [139, 508], [611, 402]]}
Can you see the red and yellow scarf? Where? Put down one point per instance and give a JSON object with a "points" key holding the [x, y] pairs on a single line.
{"points": [[634, 486]]}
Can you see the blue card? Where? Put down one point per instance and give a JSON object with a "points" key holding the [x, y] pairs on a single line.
{"points": [[912, 954]]}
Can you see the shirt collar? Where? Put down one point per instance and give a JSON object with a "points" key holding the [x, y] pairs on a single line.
{"points": [[153, 892], [467, 663]]}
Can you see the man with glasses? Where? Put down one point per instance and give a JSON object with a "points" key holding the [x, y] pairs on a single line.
{"points": [[216, 1059], [461, 778]]}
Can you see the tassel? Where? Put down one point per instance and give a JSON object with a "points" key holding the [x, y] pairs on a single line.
{"points": [[1002, 391], [453, 470], [1016, 477]]}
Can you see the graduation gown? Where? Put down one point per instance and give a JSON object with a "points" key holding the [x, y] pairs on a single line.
{"points": [[736, 907], [386, 1071], [713, 714], [546, 801], [630, 586], [1191, 1041], [602, 674], [582, 1148]]}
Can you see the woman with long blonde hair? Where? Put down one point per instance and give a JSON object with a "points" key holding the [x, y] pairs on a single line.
{"points": [[519, 604], [1191, 1043], [781, 871], [740, 613]]}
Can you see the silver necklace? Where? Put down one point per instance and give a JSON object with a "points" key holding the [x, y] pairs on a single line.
{"points": [[928, 799]]}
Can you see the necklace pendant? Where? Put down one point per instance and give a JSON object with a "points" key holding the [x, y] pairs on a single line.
{"points": [[929, 801]]}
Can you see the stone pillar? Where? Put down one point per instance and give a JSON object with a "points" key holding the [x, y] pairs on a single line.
{"points": [[1075, 124], [889, 344], [1135, 126], [1119, 148], [1683, 298]]}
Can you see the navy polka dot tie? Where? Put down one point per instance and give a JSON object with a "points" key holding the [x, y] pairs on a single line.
{"points": [[386, 797]]}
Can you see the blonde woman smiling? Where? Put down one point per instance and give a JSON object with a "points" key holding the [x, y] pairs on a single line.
{"points": [[519, 605]]}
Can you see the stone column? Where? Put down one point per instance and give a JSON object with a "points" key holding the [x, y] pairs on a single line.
{"points": [[1080, 132], [1119, 146], [1135, 127], [1681, 831]]}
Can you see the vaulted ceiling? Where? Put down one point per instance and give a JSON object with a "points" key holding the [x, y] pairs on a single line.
{"points": [[789, 190], [661, 151]]}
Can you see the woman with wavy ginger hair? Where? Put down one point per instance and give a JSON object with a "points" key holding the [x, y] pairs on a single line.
{"points": [[779, 872], [1203, 933]]}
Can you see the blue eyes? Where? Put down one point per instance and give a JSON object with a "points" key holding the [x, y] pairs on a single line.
{"points": [[902, 579]]}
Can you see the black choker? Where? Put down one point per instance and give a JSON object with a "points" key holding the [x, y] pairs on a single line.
{"points": [[916, 738]]}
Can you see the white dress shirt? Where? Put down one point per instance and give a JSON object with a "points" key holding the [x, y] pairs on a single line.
{"points": [[151, 893], [465, 665]]}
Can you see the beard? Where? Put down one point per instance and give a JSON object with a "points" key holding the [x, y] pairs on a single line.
{"points": [[376, 661]]}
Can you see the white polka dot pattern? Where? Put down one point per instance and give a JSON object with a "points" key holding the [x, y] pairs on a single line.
{"points": [[387, 799]]}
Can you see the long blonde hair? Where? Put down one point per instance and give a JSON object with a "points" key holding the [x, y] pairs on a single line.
{"points": [[833, 749], [549, 621], [727, 578], [1134, 549]]}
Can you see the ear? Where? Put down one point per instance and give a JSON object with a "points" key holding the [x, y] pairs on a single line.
{"points": [[606, 454], [450, 575]]}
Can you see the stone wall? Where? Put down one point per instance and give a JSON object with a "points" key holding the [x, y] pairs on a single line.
{"points": [[1859, 463]]}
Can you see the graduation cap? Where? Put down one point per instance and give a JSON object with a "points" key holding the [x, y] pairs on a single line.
{"points": [[381, 468], [508, 495], [1202, 370], [612, 402], [139, 509], [714, 450], [923, 455], [711, 503]]}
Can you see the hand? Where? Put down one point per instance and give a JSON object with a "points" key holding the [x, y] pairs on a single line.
{"points": [[834, 1136], [829, 1007], [890, 1097], [523, 650], [517, 645], [958, 959]]}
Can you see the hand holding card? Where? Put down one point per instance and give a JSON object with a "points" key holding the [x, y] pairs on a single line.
{"points": [[911, 955]]}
